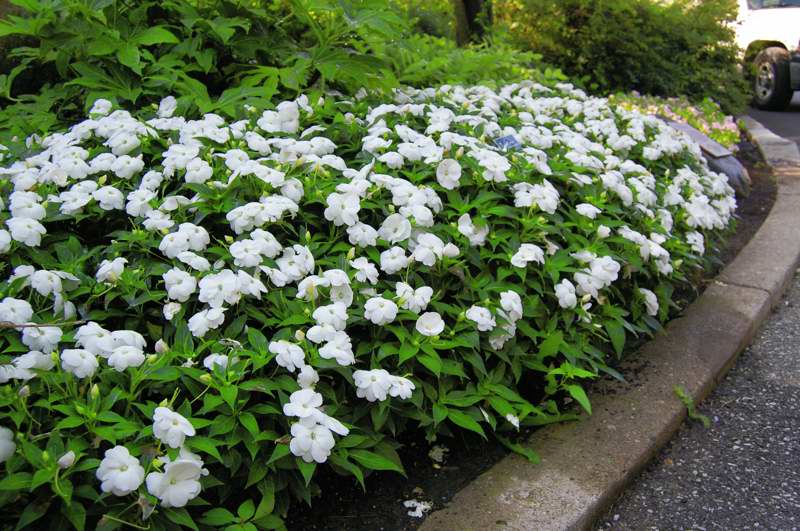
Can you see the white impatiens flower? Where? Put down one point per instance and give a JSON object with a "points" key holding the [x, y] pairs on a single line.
{"points": [[66, 460], [394, 260], [110, 271], [7, 444], [362, 235], [603, 231], [511, 303], [587, 210], [170, 427], [27, 231], [79, 362], [180, 481], [650, 301], [180, 284], [448, 174], [303, 403], [41, 338], [338, 347], [171, 309], [527, 253], [218, 288], [401, 387], [430, 324], [429, 248], [15, 311], [120, 472], [415, 300], [365, 270], [311, 441], [5, 241], [214, 360], [205, 320], [395, 229], [307, 377], [380, 311], [342, 209], [334, 315], [477, 236], [565, 291], [482, 317], [288, 355], [372, 385], [123, 357]]}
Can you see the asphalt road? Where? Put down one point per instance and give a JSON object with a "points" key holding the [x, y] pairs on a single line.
{"points": [[785, 123], [743, 472]]}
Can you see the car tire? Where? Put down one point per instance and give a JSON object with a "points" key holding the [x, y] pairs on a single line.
{"points": [[772, 88]]}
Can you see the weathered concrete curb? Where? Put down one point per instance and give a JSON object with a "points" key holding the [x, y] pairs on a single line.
{"points": [[585, 465]]}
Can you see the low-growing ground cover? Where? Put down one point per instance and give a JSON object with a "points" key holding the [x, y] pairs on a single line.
{"points": [[220, 308]]}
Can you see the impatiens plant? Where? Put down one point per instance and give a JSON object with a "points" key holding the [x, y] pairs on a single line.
{"points": [[197, 314]]}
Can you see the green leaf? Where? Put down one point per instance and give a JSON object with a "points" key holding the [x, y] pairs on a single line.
{"points": [[18, 481], [577, 392], [281, 450], [407, 351], [432, 362], [465, 421], [229, 394], [374, 461], [246, 510], [218, 517], [155, 35], [32, 512], [257, 340], [617, 335], [180, 516], [248, 420], [439, 413], [267, 503], [307, 469], [129, 56], [257, 472], [204, 444], [550, 345]]}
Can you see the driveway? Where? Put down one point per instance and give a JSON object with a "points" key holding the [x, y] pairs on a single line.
{"points": [[785, 123]]}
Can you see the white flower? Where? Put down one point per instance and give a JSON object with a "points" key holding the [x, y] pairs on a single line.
{"points": [[195, 261], [603, 231], [696, 240], [25, 364], [365, 270], [79, 362], [171, 309], [604, 269], [109, 198], [411, 299], [395, 228], [311, 441], [120, 472], [650, 301], [338, 347], [180, 481], [95, 339], [448, 174], [482, 317], [41, 338], [288, 355], [66, 460], [587, 210], [372, 385], [334, 315], [170, 427], [429, 248], [307, 377], [513, 420], [362, 235], [303, 403], [45, 282], [5, 241], [110, 271], [198, 171], [394, 260], [380, 311], [197, 236], [527, 253], [27, 231], [15, 311], [125, 356], [511, 302], [101, 107], [342, 209], [167, 106], [7, 444], [401, 387], [214, 360], [180, 284], [174, 243], [205, 320], [219, 288], [476, 236], [430, 324], [565, 291]]}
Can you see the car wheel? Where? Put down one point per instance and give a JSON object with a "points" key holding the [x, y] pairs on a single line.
{"points": [[771, 79]]}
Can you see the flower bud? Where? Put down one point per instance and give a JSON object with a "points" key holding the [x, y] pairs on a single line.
{"points": [[46, 456], [94, 392], [299, 335], [205, 378], [161, 346], [228, 239], [152, 358], [66, 460], [164, 403], [306, 311], [24, 391], [308, 236], [351, 253]]}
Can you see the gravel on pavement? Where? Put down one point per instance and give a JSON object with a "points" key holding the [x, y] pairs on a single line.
{"points": [[744, 471]]}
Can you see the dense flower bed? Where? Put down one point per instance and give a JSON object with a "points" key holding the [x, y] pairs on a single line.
{"points": [[705, 116], [198, 314]]}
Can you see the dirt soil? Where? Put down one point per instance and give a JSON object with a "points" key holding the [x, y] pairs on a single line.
{"points": [[344, 506]]}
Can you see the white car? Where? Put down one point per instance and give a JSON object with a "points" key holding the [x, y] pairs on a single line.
{"points": [[769, 33]]}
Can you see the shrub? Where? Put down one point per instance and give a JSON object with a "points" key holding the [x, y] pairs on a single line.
{"points": [[197, 314], [660, 48]]}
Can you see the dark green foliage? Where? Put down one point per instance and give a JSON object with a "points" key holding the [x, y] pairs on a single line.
{"points": [[665, 49]]}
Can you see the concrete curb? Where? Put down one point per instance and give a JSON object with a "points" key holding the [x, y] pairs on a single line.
{"points": [[585, 465]]}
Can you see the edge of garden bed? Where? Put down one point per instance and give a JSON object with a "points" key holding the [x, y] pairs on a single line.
{"points": [[585, 465]]}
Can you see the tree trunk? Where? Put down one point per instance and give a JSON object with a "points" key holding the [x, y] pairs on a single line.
{"points": [[473, 18]]}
